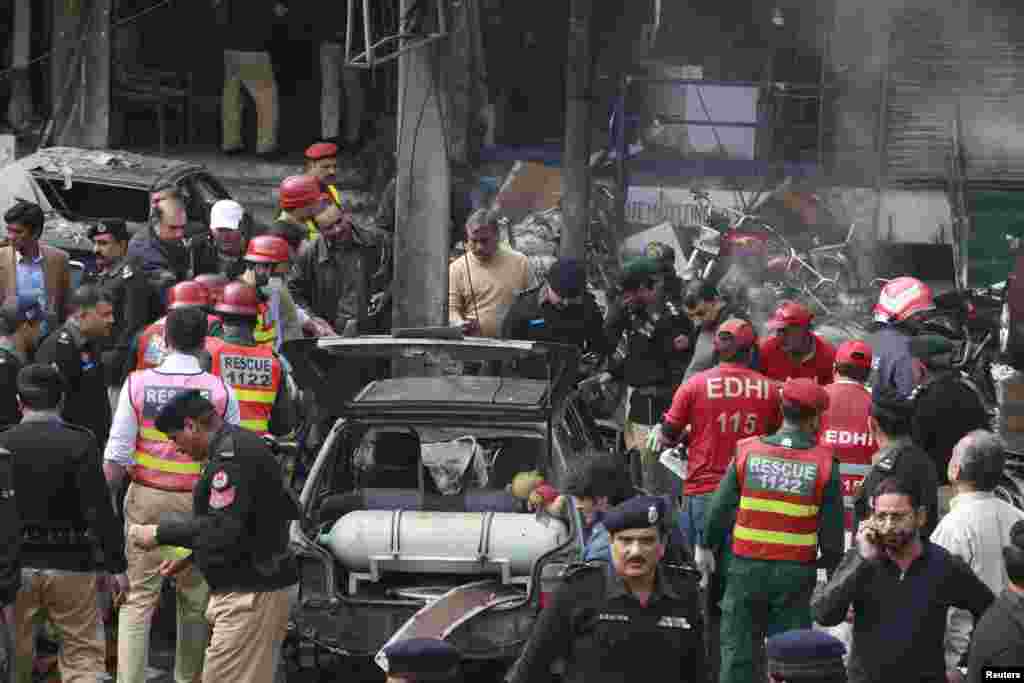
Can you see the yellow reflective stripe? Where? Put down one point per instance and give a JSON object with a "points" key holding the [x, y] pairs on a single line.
{"points": [[152, 434], [255, 395], [780, 537], [778, 506], [334, 193], [170, 466], [256, 425], [264, 335], [313, 230]]}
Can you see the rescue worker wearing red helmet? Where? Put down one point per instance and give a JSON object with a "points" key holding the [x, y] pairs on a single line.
{"points": [[302, 199], [901, 305], [267, 262], [794, 350], [189, 294], [215, 284], [250, 368], [781, 500]]}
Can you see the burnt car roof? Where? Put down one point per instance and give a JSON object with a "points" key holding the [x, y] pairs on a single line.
{"points": [[118, 167], [454, 389]]}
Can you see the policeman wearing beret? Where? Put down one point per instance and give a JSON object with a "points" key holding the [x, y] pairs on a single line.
{"points": [[239, 537], [21, 327], [68, 528], [134, 301], [421, 660], [560, 311], [782, 500], [638, 614], [806, 656]]}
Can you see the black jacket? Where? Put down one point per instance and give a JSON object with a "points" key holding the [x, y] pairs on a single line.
{"points": [[605, 635], [644, 355], [337, 285], [135, 305], [86, 403], [945, 410], [242, 512], [998, 639], [166, 264], [63, 500], [10, 366], [900, 617], [10, 532]]}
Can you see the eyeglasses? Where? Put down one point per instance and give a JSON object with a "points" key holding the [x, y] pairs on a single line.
{"points": [[894, 517]]}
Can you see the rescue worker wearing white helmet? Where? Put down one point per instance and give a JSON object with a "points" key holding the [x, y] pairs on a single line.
{"points": [[901, 305]]}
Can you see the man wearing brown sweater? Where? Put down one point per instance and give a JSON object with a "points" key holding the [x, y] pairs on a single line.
{"points": [[484, 282]]}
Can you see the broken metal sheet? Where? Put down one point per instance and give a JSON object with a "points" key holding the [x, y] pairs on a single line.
{"points": [[108, 166]]}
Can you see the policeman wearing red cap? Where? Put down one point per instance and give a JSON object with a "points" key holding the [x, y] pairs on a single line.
{"points": [[783, 493], [795, 351], [844, 425], [322, 163]]}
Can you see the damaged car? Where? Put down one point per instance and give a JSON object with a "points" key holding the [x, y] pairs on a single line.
{"points": [[410, 527], [76, 186]]}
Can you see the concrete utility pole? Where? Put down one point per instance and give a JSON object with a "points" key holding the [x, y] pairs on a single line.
{"points": [[579, 81], [20, 110], [80, 70], [422, 198]]}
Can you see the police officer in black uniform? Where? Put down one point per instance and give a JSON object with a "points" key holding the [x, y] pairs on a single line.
{"points": [[21, 325], [637, 616], [75, 349], [67, 521], [133, 298], [10, 562], [239, 538], [561, 311]]}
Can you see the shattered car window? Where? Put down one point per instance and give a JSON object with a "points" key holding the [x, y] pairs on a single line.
{"points": [[454, 464]]}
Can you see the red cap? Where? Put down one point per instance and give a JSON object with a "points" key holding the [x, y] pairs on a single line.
{"points": [[547, 493], [735, 333], [790, 313], [854, 352], [806, 393], [321, 150]]}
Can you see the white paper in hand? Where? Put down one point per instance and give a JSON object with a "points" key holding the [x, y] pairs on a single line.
{"points": [[674, 463]]}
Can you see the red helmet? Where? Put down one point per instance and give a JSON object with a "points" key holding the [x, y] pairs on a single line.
{"points": [[268, 249], [298, 191], [186, 294], [902, 298], [214, 282], [239, 299], [790, 313]]}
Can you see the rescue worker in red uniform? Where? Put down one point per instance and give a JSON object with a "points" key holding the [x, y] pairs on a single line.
{"points": [[251, 369], [152, 345], [783, 493], [796, 351], [162, 478], [721, 406], [844, 425]]}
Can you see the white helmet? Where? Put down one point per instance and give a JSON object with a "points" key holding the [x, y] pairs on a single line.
{"points": [[902, 298]]}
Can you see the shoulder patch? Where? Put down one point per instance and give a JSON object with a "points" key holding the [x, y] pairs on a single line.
{"points": [[220, 480], [580, 569], [886, 463], [63, 338], [127, 273]]}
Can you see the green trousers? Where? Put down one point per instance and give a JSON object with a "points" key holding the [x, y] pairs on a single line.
{"points": [[762, 598]]}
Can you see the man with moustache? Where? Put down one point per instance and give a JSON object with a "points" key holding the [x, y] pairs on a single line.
{"points": [[901, 586], [613, 622], [796, 351]]}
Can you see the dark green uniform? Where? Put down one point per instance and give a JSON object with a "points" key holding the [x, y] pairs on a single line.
{"points": [[765, 597], [606, 635], [11, 363]]}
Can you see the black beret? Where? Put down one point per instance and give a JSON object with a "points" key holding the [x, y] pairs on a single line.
{"points": [[426, 658], [187, 404], [639, 512], [568, 278], [39, 382], [805, 654], [115, 227], [887, 403]]}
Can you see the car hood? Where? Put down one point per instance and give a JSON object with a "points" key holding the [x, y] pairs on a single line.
{"points": [[326, 365]]}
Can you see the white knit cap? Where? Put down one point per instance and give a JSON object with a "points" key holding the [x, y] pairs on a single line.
{"points": [[226, 213]]}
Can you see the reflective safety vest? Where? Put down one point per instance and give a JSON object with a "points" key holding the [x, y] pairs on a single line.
{"points": [[255, 375], [844, 428], [781, 491], [152, 348], [312, 230], [158, 462], [265, 332]]}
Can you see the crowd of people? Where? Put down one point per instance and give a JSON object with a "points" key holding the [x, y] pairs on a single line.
{"points": [[152, 383]]}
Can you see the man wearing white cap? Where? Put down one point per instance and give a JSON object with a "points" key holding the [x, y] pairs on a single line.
{"points": [[226, 218]]}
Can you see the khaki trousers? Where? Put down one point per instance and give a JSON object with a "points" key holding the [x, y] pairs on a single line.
{"points": [[248, 629], [69, 598], [254, 71], [144, 505], [333, 77]]}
